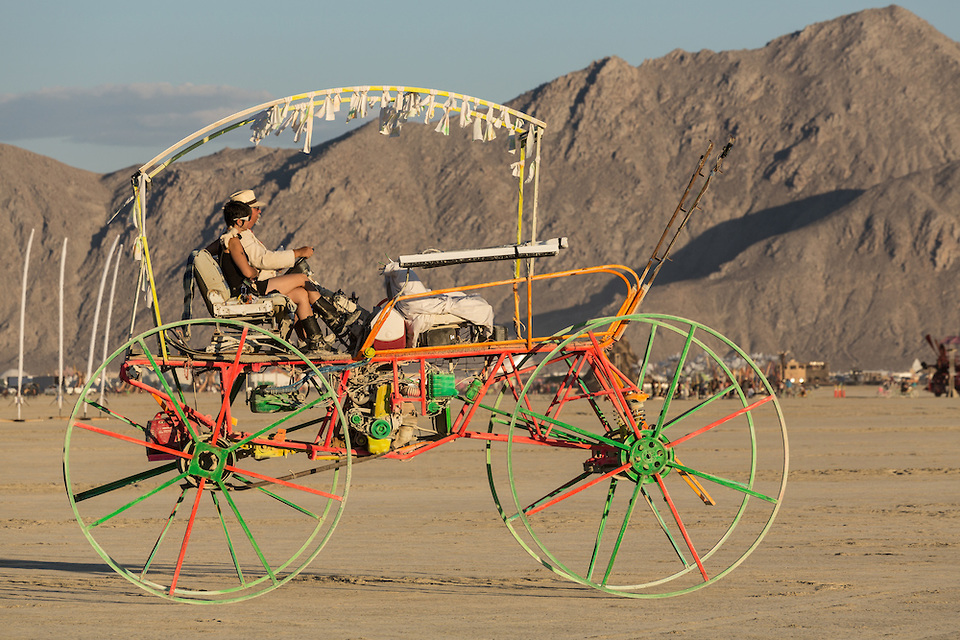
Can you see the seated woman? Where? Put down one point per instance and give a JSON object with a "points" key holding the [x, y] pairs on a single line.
{"points": [[251, 259]]}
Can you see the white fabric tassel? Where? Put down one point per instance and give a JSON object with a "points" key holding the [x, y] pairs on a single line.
{"points": [[285, 118], [358, 104], [489, 133], [333, 105], [305, 127], [478, 128]]}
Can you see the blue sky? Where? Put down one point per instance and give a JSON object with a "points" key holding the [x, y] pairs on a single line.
{"points": [[103, 85]]}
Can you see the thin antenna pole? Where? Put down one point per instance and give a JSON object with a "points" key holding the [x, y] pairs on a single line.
{"points": [[23, 311], [106, 328], [96, 314], [63, 261]]}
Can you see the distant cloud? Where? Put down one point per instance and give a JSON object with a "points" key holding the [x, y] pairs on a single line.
{"points": [[120, 115]]}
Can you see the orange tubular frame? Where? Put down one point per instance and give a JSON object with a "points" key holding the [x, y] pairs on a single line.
{"points": [[634, 295]]}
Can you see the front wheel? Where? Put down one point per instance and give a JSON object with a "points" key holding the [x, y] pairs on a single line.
{"points": [[649, 478]]}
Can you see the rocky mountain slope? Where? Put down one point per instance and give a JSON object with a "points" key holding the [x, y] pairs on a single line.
{"points": [[832, 233]]}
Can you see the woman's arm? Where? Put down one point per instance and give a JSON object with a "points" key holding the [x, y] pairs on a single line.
{"points": [[240, 259]]}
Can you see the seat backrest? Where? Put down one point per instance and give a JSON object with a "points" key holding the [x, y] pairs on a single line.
{"points": [[213, 286]]}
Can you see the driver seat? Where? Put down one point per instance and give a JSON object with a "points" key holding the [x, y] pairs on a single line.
{"points": [[273, 309]]}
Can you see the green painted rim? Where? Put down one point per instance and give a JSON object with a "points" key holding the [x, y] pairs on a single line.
{"points": [[645, 457], [207, 467]]}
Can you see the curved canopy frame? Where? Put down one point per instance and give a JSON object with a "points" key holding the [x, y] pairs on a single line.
{"points": [[397, 105]]}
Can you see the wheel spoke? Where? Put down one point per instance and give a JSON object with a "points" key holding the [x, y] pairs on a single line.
{"points": [[637, 487], [281, 499], [717, 423], [186, 537], [603, 524], [244, 473], [579, 435], [607, 427], [228, 381], [691, 411], [163, 533], [293, 414], [140, 443], [562, 396], [124, 482], [179, 386], [137, 501], [178, 407], [226, 534], [615, 388], [114, 414], [683, 529], [731, 484], [674, 382], [249, 534], [646, 356], [551, 494], [303, 425], [664, 527], [572, 492], [176, 376]]}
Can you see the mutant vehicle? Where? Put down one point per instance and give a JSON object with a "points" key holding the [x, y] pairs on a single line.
{"points": [[644, 471]]}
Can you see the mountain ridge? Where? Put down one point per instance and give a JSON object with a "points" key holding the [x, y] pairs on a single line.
{"points": [[832, 231]]}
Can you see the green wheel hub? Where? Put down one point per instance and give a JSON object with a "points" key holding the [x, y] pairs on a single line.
{"points": [[208, 462], [647, 456]]}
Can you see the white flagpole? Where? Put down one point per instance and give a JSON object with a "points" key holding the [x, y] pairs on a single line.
{"points": [[96, 314], [63, 261], [23, 311], [106, 328]]}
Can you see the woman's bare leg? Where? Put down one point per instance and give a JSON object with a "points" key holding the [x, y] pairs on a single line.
{"points": [[292, 286], [287, 282]]}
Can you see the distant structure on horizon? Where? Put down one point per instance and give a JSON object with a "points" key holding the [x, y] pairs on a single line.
{"points": [[809, 373]]}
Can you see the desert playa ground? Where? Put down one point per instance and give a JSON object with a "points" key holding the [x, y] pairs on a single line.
{"points": [[866, 545]]}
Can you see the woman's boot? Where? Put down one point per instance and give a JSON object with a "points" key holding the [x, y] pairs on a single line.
{"points": [[340, 313], [308, 329], [327, 311]]}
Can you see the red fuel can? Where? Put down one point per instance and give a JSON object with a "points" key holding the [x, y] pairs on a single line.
{"points": [[163, 431]]}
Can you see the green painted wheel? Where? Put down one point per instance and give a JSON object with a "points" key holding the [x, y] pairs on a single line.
{"points": [[190, 484], [641, 497]]}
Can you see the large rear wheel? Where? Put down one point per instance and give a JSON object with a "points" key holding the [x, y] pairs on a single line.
{"points": [[634, 495]]}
